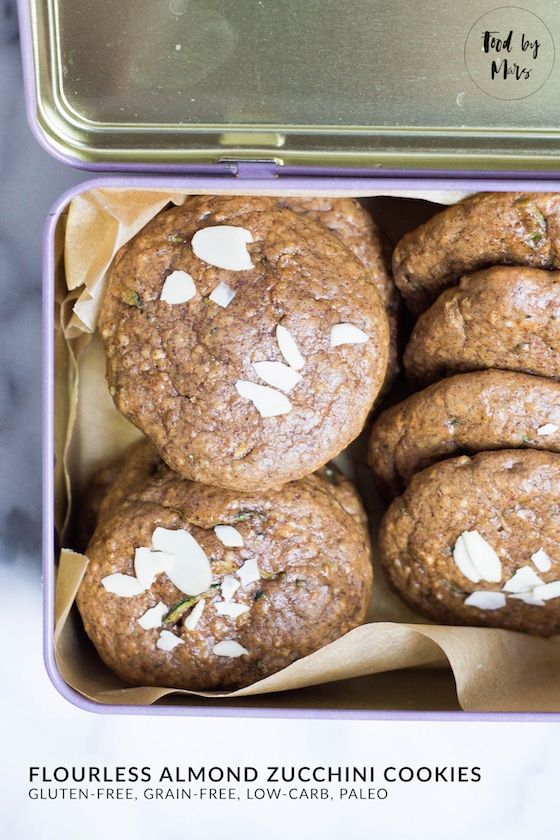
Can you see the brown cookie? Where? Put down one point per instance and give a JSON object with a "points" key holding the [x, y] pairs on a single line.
{"points": [[505, 318], [190, 374], [139, 463], [111, 484], [356, 228], [468, 413], [291, 574], [484, 230], [488, 525]]}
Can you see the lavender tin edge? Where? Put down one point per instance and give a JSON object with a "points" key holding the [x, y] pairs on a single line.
{"points": [[48, 452], [220, 168]]}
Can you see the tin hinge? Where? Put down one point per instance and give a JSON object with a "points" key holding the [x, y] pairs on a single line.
{"points": [[252, 169]]}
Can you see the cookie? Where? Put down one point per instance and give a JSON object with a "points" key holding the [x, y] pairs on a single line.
{"points": [[355, 227], [500, 317], [476, 541], [111, 485], [194, 587], [468, 413], [484, 230], [244, 340]]}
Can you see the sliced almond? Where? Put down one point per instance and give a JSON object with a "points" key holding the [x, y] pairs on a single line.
{"points": [[483, 563], [230, 608], [347, 334], [168, 640], [463, 561], [249, 572], [222, 295], [278, 375], [190, 569], [485, 559], [229, 648], [167, 540], [524, 580], [541, 560], [267, 401], [179, 287], [224, 246], [229, 536], [547, 591], [288, 347], [229, 587], [149, 564], [193, 617], [529, 598], [485, 600], [153, 617], [547, 429], [126, 586]]}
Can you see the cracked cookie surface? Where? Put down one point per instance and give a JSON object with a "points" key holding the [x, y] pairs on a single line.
{"points": [[173, 368], [357, 229], [308, 542], [506, 318], [467, 413], [483, 230], [509, 500]]}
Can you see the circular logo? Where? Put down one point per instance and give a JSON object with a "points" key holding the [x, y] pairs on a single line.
{"points": [[509, 53]]}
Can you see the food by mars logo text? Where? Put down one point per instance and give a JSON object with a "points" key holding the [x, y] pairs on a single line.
{"points": [[493, 43], [509, 53]]}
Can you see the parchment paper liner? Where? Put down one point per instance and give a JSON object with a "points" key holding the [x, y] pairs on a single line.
{"points": [[494, 670]]}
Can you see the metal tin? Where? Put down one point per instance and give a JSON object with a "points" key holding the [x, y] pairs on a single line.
{"points": [[365, 84], [308, 90], [288, 704]]}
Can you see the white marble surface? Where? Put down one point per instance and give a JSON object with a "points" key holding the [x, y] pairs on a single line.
{"points": [[516, 798]]}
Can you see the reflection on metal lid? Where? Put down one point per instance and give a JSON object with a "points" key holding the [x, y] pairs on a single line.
{"points": [[319, 81]]}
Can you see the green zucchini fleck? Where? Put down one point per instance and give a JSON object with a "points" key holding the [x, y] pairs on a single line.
{"points": [[272, 576], [131, 297], [457, 590], [178, 511], [535, 237], [243, 515], [536, 215], [178, 610]]}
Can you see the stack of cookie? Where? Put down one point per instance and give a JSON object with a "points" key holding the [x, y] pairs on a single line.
{"points": [[473, 535], [248, 339]]}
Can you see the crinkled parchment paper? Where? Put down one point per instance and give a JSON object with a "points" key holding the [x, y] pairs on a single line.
{"points": [[492, 670]]}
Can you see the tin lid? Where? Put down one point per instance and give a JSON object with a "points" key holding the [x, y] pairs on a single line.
{"points": [[364, 83]]}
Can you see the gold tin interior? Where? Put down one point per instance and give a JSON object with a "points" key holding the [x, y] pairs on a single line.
{"points": [[301, 82]]}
